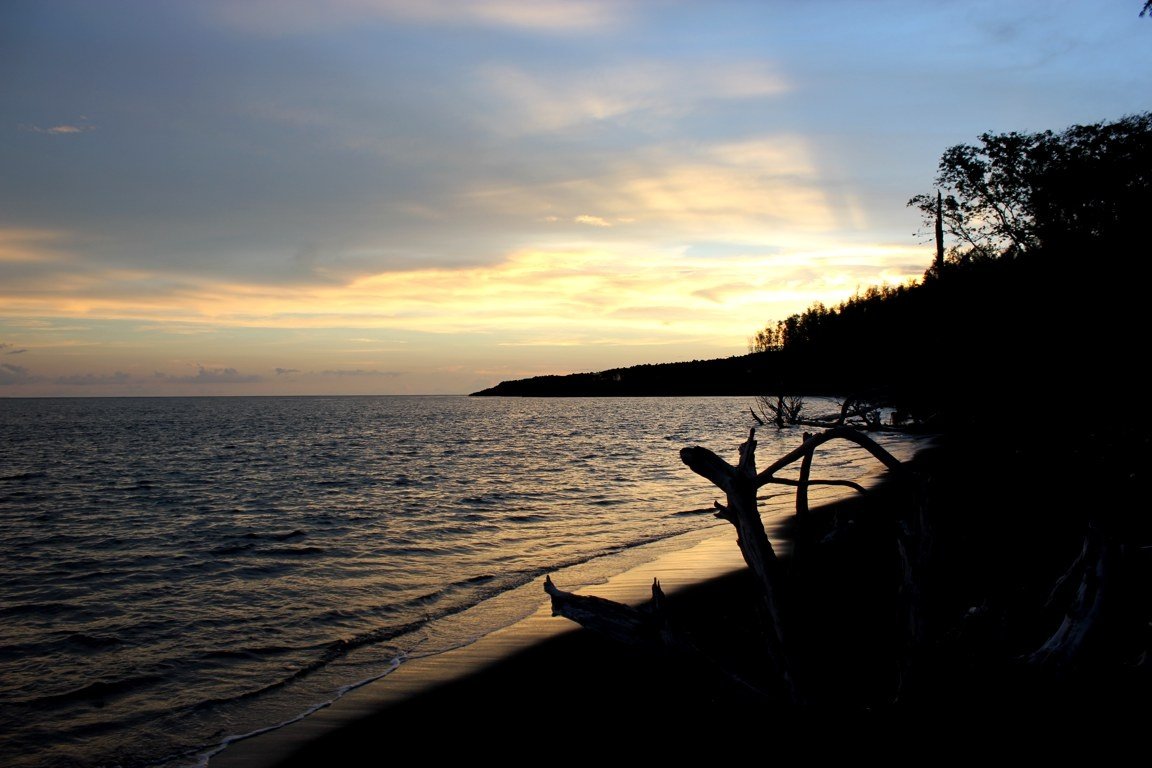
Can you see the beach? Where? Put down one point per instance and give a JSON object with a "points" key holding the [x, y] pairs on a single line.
{"points": [[174, 589], [543, 688], [537, 680], [546, 684]]}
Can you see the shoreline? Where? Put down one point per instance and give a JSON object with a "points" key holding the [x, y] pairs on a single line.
{"points": [[563, 673], [700, 561], [998, 545], [704, 566]]}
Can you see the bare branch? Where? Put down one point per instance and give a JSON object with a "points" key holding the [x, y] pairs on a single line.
{"points": [[747, 465], [813, 442], [843, 483], [709, 466]]}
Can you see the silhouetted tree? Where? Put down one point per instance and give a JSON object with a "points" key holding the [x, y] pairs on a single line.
{"points": [[779, 409], [1014, 193], [767, 339]]}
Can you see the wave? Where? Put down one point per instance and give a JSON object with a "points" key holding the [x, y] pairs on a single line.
{"points": [[85, 640], [238, 545], [39, 609], [22, 477], [249, 653], [275, 535], [232, 549], [525, 518], [694, 512], [294, 551], [97, 692]]}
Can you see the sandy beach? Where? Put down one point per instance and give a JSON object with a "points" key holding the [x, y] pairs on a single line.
{"points": [[544, 688], [532, 681]]}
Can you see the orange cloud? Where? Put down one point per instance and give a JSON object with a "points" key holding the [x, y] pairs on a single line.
{"points": [[607, 290], [20, 245]]}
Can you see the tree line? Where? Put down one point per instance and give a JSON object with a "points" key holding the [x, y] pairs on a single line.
{"points": [[1035, 301], [1001, 576], [1036, 292]]}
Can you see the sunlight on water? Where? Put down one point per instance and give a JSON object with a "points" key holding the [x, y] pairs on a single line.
{"points": [[179, 570]]}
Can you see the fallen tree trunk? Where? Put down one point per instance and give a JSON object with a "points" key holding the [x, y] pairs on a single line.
{"points": [[649, 627], [622, 623], [740, 485], [1093, 574]]}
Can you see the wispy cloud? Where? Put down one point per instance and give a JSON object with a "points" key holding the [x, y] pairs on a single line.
{"points": [[363, 187], [94, 379], [646, 94], [287, 17], [22, 245], [592, 221], [616, 288], [61, 129], [764, 189], [358, 372], [11, 374], [211, 376]]}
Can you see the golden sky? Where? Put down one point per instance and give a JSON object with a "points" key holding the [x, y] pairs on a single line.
{"points": [[378, 197]]}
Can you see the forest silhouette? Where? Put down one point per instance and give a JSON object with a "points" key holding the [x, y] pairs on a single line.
{"points": [[1035, 306], [996, 583]]}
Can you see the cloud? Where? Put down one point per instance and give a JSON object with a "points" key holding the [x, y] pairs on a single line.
{"points": [[64, 129], [211, 376], [766, 189], [93, 379], [389, 374], [592, 221], [31, 246], [286, 371], [618, 288], [15, 374], [648, 94], [291, 17], [8, 349]]}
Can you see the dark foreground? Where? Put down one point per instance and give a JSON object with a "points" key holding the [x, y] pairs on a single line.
{"points": [[1007, 522]]}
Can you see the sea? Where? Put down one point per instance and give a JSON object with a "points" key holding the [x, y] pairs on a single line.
{"points": [[177, 574]]}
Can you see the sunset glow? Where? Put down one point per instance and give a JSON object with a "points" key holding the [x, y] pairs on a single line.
{"points": [[395, 197]]}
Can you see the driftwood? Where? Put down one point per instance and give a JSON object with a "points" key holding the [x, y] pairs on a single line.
{"points": [[622, 623], [874, 611], [1088, 589], [855, 411], [649, 627], [740, 484]]}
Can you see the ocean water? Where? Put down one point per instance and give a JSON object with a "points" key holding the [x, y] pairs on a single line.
{"points": [[176, 573]]}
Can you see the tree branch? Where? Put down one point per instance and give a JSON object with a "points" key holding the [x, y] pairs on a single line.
{"points": [[739, 486], [813, 442]]}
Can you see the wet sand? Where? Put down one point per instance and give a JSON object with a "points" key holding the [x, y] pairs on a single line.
{"points": [[525, 682], [544, 690]]}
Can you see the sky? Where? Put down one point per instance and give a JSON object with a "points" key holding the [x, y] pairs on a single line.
{"points": [[200, 197]]}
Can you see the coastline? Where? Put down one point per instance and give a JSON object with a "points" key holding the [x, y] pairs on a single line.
{"points": [[1002, 539], [549, 659]]}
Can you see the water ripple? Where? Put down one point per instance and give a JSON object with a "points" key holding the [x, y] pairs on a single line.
{"points": [[176, 569]]}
